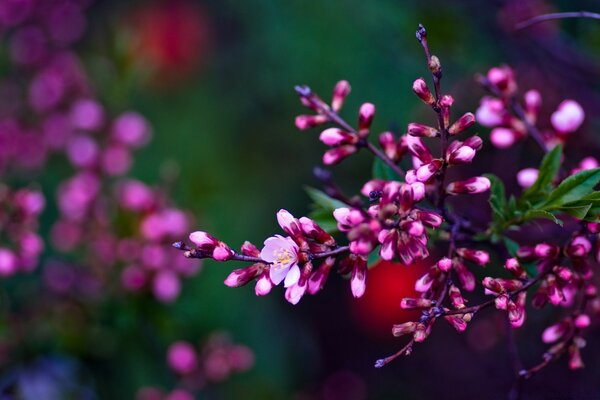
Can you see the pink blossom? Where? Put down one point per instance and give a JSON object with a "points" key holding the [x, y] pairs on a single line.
{"points": [[166, 286], [87, 114], [135, 195], [340, 92], [474, 185], [422, 91], [282, 253], [568, 117], [82, 151], [263, 285], [304, 122], [131, 129], [503, 138], [527, 177], [337, 137], [490, 112], [182, 358], [8, 262], [365, 118]]}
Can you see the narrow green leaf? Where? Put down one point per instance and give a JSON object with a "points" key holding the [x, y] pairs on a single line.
{"points": [[532, 214], [511, 246], [579, 212], [573, 188], [497, 198], [322, 199]]}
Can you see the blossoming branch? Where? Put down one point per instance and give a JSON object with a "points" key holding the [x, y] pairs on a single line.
{"points": [[404, 213]]}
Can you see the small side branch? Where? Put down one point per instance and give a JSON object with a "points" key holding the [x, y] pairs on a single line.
{"points": [[554, 16]]}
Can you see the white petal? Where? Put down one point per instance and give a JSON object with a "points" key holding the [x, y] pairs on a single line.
{"points": [[292, 276], [278, 275]]}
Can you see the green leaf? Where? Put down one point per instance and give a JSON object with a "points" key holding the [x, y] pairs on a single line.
{"points": [[574, 188], [498, 198], [511, 246], [322, 209], [578, 212], [322, 200], [383, 171], [547, 172], [373, 259], [532, 214]]}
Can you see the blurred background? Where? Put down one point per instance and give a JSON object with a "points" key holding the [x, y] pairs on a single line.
{"points": [[214, 80]]}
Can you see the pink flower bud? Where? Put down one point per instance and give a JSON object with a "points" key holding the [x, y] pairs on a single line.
{"points": [[222, 252], [179, 394], [533, 102], [288, 223], [421, 130], [249, 249], [555, 332], [527, 177], [182, 357], [465, 277], [418, 149], [87, 114], [554, 293], [473, 185], [131, 129], [491, 112], [462, 155], [294, 293], [421, 333], [503, 79], [512, 265], [243, 276], [304, 122], [457, 322], [263, 284], [166, 286], [387, 141], [203, 240], [8, 262], [408, 303], [427, 171], [319, 277], [446, 101], [404, 329], [563, 273], [545, 250], [503, 138], [582, 321], [365, 118], [82, 151], [423, 283], [337, 154], [588, 163], [133, 278], [418, 190], [579, 247], [422, 91], [311, 229], [429, 218], [358, 281], [337, 137], [474, 142], [462, 124], [445, 264], [575, 361], [456, 297], [568, 117], [340, 92], [374, 185]]}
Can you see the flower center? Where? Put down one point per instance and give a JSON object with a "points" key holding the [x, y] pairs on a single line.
{"points": [[283, 257]]}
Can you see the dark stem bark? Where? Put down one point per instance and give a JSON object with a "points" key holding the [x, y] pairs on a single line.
{"points": [[554, 16]]}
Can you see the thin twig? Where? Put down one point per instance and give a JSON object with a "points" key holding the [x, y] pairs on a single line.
{"points": [[554, 16]]}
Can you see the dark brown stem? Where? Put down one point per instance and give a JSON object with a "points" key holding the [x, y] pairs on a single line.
{"points": [[476, 308], [405, 350], [194, 253], [554, 16], [335, 118]]}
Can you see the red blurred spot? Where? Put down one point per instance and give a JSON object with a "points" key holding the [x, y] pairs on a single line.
{"points": [[387, 284], [171, 38]]}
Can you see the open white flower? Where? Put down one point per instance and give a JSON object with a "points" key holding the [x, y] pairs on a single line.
{"points": [[282, 253]]}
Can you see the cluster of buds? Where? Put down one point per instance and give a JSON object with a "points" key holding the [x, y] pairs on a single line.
{"points": [[343, 140], [21, 244], [288, 259], [512, 122], [426, 167]]}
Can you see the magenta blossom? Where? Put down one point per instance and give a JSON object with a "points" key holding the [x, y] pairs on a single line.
{"points": [[282, 253]]}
